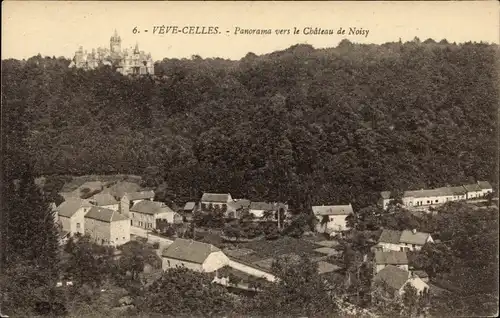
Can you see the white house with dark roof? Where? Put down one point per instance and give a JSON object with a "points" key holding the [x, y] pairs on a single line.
{"points": [[107, 227], [194, 255], [105, 200], [406, 240], [474, 191], [189, 207], [395, 258], [219, 199], [331, 218], [395, 279], [145, 213], [258, 209], [430, 197], [485, 187], [71, 215], [130, 198]]}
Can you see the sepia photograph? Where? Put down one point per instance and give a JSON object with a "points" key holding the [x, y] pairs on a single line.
{"points": [[249, 159]]}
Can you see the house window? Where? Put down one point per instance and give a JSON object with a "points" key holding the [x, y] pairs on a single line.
{"points": [[413, 245], [131, 222], [123, 238], [77, 226], [436, 201], [168, 262], [132, 214], [428, 201], [401, 249]]}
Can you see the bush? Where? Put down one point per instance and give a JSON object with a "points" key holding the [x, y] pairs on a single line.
{"points": [[156, 245]]}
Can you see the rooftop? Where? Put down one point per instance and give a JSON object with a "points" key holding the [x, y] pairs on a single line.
{"points": [[391, 258], [215, 197], [189, 206], [102, 199], [418, 238], [485, 185], [390, 236], [189, 251], [332, 209], [265, 206], [140, 195], [104, 215], [69, 207], [438, 192], [406, 236], [150, 207], [472, 187], [393, 276]]}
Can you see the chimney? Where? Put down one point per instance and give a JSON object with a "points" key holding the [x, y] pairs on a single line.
{"points": [[414, 231]]}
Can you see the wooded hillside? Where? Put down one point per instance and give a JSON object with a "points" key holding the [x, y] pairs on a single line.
{"points": [[304, 125]]}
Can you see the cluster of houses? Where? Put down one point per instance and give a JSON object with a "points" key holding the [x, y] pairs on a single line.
{"points": [[106, 214], [233, 208], [390, 261], [426, 198]]}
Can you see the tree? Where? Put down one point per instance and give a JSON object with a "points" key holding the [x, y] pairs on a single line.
{"points": [[268, 215], [299, 291], [87, 262], [135, 255], [29, 242], [180, 291]]}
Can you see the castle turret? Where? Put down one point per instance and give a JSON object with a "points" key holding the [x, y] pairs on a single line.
{"points": [[115, 43]]}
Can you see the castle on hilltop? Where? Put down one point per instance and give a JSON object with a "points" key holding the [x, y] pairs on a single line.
{"points": [[128, 62]]}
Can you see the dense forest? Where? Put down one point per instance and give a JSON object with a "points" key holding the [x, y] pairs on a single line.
{"points": [[303, 125]]}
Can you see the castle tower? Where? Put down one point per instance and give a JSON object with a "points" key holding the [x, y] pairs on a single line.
{"points": [[115, 43]]}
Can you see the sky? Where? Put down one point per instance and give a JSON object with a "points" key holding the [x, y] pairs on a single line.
{"points": [[59, 28]]}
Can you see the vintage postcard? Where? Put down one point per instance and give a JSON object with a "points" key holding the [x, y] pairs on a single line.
{"points": [[249, 159]]}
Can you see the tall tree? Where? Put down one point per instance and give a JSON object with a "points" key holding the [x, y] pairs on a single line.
{"points": [[29, 239]]}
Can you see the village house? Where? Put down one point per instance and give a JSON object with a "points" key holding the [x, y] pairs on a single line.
{"points": [[236, 207], [107, 227], [395, 258], [145, 213], [406, 240], [395, 279], [105, 200], [259, 209], [474, 191], [188, 211], [485, 187], [193, 255], [189, 207], [205, 257], [431, 197], [331, 218], [215, 199], [71, 215], [130, 198]]}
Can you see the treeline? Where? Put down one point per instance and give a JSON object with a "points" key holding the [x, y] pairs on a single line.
{"points": [[303, 125]]}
